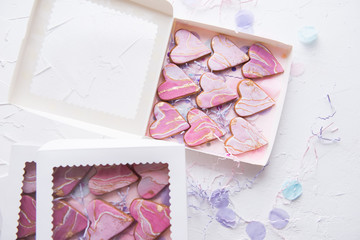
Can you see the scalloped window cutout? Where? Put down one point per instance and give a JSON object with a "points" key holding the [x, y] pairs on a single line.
{"points": [[94, 57], [111, 201]]}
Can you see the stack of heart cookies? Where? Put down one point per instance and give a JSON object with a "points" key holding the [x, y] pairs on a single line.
{"points": [[111, 202], [212, 90]]}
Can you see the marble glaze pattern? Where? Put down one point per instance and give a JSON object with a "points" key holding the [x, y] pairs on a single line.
{"points": [[203, 129], [168, 122], [152, 218], [110, 178], [177, 84], [188, 47]]}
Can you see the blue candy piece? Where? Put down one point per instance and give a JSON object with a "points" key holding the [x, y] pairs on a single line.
{"points": [[279, 218], [256, 230], [308, 34], [292, 190]]}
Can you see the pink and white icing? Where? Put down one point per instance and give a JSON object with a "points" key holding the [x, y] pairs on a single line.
{"points": [[154, 177], [152, 218], [262, 63], [252, 99], [188, 47], [245, 137], [27, 217], [66, 179], [67, 221], [29, 183], [215, 91], [202, 128], [226, 54], [177, 84], [110, 178], [106, 220], [168, 122]]}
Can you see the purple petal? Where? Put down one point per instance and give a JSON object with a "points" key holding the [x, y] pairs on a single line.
{"points": [[227, 217], [256, 230], [220, 198], [278, 218]]}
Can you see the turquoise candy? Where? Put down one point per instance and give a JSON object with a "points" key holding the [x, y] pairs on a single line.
{"points": [[307, 34], [292, 190]]}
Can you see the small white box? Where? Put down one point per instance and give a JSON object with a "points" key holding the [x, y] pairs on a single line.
{"points": [[62, 153]]}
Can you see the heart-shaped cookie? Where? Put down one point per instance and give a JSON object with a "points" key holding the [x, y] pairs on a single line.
{"points": [[177, 84], [168, 121], [188, 48], [67, 221], [202, 128], [110, 178], [29, 183], [252, 99], [226, 54], [245, 137], [154, 177], [27, 217], [262, 63], [106, 220], [215, 91], [67, 178], [152, 218]]}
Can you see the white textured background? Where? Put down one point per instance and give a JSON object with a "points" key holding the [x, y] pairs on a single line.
{"points": [[329, 207]]}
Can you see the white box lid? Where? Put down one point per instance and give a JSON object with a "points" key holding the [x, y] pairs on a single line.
{"points": [[51, 34]]}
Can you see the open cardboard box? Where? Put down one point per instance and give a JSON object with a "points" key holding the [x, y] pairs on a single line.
{"points": [[117, 99]]}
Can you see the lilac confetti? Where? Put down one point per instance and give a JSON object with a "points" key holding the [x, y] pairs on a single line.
{"points": [[220, 198], [244, 20], [227, 217], [256, 230], [279, 218], [292, 190]]}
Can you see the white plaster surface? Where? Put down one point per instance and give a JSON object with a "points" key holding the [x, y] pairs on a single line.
{"points": [[329, 207]]}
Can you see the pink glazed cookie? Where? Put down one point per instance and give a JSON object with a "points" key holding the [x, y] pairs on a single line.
{"points": [[152, 218], [66, 179], [106, 220], [245, 137], [27, 217], [110, 178], [215, 91], [29, 183], [262, 63], [168, 122], [203, 129], [188, 48], [252, 99], [226, 54], [177, 84], [67, 221], [154, 177]]}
